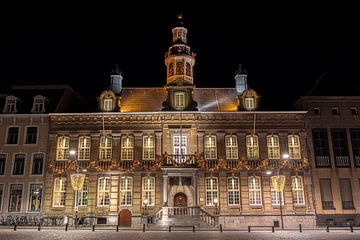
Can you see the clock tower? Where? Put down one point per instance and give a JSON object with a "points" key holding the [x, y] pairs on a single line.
{"points": [[179, 61]]}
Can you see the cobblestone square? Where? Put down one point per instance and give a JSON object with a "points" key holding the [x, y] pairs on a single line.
{"points": [[87, 234]]}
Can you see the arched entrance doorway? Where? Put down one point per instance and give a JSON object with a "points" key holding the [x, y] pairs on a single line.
{"points": [[124, 218], [180, 200]]}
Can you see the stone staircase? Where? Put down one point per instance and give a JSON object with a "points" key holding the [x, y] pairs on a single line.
{"points": [[183, 216]]}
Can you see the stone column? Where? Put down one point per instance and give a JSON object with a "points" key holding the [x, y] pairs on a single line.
{"points": [[165, 188], [194, 183], [158, 143]]}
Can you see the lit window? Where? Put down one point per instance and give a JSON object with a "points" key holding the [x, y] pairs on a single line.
{"points": [[211, 185], [255, 198], [127, 148], [10, 105], [231, 147], [82, 195], [105, 148], [210, 147], [233, 191], [179, 100], [15, 199], [148, 190], [104, 191], [188, 69], [297, 190], [39, 104], [59, 192], [35, 197], [108, 104], [273, 147], [148, 148], [249, 103], [37, 163], [126, 191], [31, 135], [276, 197], [252, 147], [294, 147], [62, 151], [84, 148]]}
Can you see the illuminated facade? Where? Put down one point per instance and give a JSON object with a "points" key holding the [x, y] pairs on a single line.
{"points": [[178, 153]]}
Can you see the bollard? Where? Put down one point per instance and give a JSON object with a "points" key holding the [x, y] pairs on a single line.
{"points": [[300, 227], [193, 228], [93, 228], [351, 228], [248, 228], [272, 229], [66, 227], [39, 227], [143, 227], [221, 230], [15, 227], [170, 228], [117, 228], [327, 228]]}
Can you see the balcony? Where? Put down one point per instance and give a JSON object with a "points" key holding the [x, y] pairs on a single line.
{"points": [[187, 160], [148, 164], [342, 161], [253, 163], [126, 164], [61, 166], [103, 165], [322, 161], [211, 163]]}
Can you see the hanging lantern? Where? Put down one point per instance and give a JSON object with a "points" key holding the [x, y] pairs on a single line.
{"points": [[77, 181], [278, 182]]}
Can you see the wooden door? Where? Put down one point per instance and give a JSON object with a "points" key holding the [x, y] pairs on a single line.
{"points": [[180, 200], [124, 218]]}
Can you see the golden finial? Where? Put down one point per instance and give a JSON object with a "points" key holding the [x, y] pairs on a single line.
{"points": [[179, 16]]}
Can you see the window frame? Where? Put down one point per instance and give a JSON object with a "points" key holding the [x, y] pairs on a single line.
{"points": [[125, 193], [32, 163], [38, 107], [23, 166], [10, 107], [148, 189], [105, 148], [103, 194], [5, 161], [179, 99], [26, 134], [253, 149], [84, 193], [61, 147], [21, 197], [231, 149], [234, 190], [84, 148], [212, 192], [249, 103], [108, 102], [297, 189], [257, 191], [127, 150], [61, 192], [210, 147], [7, 135], [294, 150], [30, 195], [148, 152], [273, 146]]}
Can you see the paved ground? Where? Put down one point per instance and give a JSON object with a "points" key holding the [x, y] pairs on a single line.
{"points": [[29, 234]]}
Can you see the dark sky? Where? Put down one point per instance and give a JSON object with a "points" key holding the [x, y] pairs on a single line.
{"points": [[285, 48]]}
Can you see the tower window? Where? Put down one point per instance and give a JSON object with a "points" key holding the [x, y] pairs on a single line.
{"points": [[108, 104], [316, 111], [335, 111], [249, 103], [179, 68], [354, 111], [188, 69], [179, 100]]}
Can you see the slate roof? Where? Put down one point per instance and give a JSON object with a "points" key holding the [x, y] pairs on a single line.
{"points": [[151, 99], [60, 98]]}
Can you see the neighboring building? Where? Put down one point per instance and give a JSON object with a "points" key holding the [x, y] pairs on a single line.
{"points": [[179, 154], [333, 127], [24, 131]]}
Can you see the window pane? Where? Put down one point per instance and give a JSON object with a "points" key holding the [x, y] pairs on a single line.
{"points": [[38, 161], [19, 164], [35, 197], [2, 164], [13, 135], [15, 198], [31, 135]]}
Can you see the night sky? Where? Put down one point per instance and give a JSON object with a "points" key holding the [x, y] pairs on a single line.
{"points": [[285, 48]]}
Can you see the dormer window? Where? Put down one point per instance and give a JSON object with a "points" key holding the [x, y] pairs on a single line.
{"points": [[316, 111], [179, 100], [39, 104], [10, 105], [108, 103], [354, 111], [249, 103]]}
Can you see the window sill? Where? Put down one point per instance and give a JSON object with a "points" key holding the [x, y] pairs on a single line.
{"points": [[256, 206]]}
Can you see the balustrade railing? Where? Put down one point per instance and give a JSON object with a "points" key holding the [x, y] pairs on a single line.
{"points": [[322, 161], [342, 161], [207, 217], [357, 161], [126, 164], [182, 211], [176, 160]]}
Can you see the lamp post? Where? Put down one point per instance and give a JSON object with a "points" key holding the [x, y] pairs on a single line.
{"points": [[146, 201], [216, 202], [77, 182]]}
